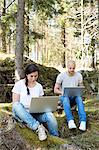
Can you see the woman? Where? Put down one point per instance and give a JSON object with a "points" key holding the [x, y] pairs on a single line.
{"points": [[22, 93]]}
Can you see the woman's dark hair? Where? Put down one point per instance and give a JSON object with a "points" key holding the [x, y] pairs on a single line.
{"points": [[29, 69]]}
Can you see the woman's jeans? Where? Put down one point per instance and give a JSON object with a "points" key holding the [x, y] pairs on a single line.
{"points": [[67, 108], [33, 120]]}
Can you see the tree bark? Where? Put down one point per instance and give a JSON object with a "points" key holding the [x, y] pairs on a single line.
{"points": [[27, 29], [63, 39], [19, 51], [3, 27]]}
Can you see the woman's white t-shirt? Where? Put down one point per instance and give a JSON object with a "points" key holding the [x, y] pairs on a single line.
{"points": [[21, 89]]}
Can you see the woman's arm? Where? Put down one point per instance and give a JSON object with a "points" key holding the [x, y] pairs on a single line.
{"points": [[15, 97]]}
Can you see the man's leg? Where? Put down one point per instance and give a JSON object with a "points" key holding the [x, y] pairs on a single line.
{"points": [[81, 113], [67, 108], [51, 122], [20, 112]]}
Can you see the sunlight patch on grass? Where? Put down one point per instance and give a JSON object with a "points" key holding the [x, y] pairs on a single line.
{"points": [[5, 111], [59, 115], [4, 56], [5, 105], [91, 109], [91, 101], [6, 108]]}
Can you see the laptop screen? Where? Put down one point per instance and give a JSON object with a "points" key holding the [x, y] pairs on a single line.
{"points": [[73, 91], [44, 104]]}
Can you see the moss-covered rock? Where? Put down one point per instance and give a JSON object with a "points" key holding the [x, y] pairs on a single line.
{"points": [[47, 78], [91, 79]]}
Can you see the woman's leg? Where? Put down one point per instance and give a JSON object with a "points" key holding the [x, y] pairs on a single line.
{"points": [[51, 122], [20, 112]]}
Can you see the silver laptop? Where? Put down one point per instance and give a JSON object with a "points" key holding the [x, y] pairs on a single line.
{"points": [[73, 91], [44, 104]]}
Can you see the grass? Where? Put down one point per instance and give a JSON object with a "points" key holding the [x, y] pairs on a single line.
{"points": [[88, 140], [32, 138], [85, 140]]}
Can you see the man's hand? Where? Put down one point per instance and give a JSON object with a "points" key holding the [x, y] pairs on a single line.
{"points": [[57, 89]]}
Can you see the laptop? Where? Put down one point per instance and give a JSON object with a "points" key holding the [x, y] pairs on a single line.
{"points": [[44, 104], [73, 91]]}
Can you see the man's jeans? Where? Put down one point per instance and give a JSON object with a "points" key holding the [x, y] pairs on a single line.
{"points": [[33, 120], [67, 108]]}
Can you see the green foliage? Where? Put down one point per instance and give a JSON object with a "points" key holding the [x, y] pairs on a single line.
{"points": [[77, 34], [36, 35], [8, 63], [9, 17], [78, 54], [44, 8]]}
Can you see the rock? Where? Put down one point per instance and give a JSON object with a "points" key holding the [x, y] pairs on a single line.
{"points": [[47, 78], [10, 139]]}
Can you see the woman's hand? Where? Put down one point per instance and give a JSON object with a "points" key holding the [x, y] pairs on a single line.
{"points": [[15, 97]]}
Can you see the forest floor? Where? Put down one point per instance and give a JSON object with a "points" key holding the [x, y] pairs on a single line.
{"points": [[14, 136]]}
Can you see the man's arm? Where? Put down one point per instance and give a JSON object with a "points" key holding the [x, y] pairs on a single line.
{"points": [[80, 80], [57, 89], [81, 84]]}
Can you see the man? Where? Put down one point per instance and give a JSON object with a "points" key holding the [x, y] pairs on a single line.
{"points": [[71, 79]]}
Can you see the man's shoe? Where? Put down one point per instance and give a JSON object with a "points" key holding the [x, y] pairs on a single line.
{"points": [[41, 133], [82, 126], [71, 124]]}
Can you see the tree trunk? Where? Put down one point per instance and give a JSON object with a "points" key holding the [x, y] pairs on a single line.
{"points": [[3, 28], [27, 29], [19, 51], [93, 59], [63, 39], [93, 52]]}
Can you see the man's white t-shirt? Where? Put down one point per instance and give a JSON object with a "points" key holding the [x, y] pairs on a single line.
{"points": [[69, 81], [21, 89]]}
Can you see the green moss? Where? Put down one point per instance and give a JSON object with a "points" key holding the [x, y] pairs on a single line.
{"points": [[32, 138], [84, 140]]}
